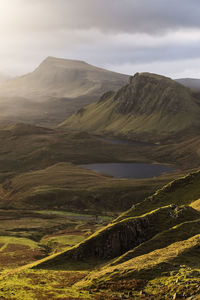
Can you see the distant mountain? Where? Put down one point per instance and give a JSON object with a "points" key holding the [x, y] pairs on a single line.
{"points": [[191, 83], [62, 78], [56, 89], [150, 107]]}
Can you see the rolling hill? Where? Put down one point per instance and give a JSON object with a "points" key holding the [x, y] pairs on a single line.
{"points": [[56, 88], [150, 107]]}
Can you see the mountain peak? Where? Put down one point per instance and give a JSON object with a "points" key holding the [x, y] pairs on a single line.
{"points": [[149, 92], [63, 78], [148, 76], [62, 62]]}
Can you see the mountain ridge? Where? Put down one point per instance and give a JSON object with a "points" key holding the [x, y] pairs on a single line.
{"points": [[150, 106]]}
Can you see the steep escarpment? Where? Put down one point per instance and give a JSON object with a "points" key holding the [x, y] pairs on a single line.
{"points": [[149, 93], [149, 107], [118, 238]]}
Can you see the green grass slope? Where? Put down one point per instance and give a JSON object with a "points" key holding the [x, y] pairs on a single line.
{"points": [[151, 265], [183, 191], [149, 107], [118, 238], [150, 254], [163, 239]]}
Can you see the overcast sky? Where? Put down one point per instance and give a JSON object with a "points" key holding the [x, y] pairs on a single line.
{"points": [[128, 36]]}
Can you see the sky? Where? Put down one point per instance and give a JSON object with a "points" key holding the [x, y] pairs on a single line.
{"points": [[127, 36]]}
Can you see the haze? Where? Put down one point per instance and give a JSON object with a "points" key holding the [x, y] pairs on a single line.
{"points": [[125, 36]]}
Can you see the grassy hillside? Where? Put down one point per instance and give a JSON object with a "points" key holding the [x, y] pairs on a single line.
{"points": [[142, 223], [185, 190], [150, 107], [149, 252], [57, 236], [122, 236]]}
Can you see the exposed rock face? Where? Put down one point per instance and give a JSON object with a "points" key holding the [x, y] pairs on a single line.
{"points": [[120, 237], [112, 243], [147, 93]]}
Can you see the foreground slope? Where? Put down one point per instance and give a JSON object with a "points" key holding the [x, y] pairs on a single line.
{"points": [[150, 107], [164, 249], [139, 224], [147, 253]]}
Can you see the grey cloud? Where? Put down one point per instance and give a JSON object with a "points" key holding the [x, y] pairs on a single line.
{"points": [[101, 32], [150, 16]]}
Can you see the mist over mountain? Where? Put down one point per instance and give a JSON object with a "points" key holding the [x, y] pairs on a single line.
{"points": [[3, 77], [56, 77], [150, 106], [55, 90]]}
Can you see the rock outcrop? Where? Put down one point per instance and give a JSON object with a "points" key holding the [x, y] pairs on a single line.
{"points": [[118, 238]]}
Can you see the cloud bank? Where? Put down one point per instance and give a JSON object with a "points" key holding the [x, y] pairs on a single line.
{"points": [[127, 36]]}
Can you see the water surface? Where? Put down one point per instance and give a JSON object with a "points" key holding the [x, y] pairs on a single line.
{"points": [[129, 170], [126, 142]]}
